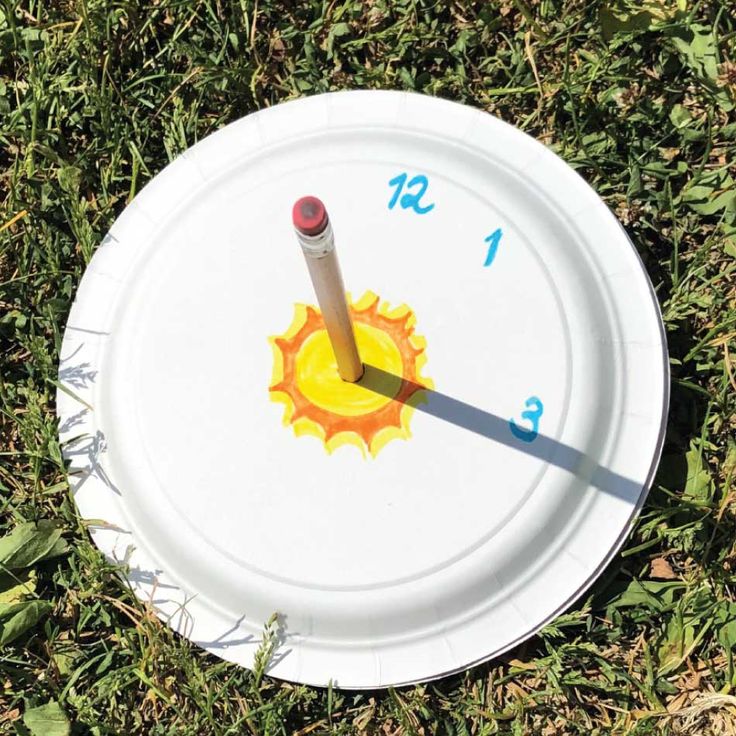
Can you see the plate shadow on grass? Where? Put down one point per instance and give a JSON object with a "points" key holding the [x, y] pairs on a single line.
{"points": [[496, 428], [226, 640]]}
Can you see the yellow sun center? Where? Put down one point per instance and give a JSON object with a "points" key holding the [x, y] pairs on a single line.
{"points": [[317, 377]]}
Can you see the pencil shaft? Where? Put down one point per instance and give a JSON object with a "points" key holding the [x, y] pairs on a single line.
{"points": [[328, 285], [314, 232]]}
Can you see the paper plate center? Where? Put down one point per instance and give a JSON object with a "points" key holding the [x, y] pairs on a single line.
{"points": [[247, 466]]}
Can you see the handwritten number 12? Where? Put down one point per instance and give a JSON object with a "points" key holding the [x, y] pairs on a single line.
{"points": [[530, 415], [410, 199]]}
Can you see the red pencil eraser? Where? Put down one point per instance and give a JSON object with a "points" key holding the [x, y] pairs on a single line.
{"points": [[309, 216]]}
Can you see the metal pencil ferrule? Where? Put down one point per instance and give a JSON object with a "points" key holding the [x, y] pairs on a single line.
{"points": [[317, 246]]}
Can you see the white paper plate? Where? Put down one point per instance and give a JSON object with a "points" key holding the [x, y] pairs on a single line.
{"points": [[447, 547]]}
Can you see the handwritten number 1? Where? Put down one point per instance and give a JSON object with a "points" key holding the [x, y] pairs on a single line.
{"points": [[493, 240], [530, 415], [410, 200], [398, 182]]}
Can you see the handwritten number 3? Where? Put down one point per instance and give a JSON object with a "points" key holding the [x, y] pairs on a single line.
{"points": [[410, 199], [530, 415]]}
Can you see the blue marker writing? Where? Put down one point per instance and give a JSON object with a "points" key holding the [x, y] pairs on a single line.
{"points": [[493, 240], [410, 200], [532, 416]]}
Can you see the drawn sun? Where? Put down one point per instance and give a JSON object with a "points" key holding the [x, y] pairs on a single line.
{"points": [[369, 413]]}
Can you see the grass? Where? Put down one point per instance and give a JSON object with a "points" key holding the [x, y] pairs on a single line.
{"points": [[97, 96]]}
